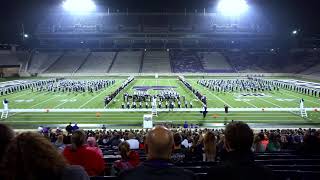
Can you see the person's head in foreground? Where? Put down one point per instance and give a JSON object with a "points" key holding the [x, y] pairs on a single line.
{"points": [[6, 135], [78, 139], [124, 150], [31, 156], [238, 137], [159, 143], [91, 141]]}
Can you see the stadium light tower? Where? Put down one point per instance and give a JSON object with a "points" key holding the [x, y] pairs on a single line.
{"points": [[294, 32], [79, 6], [232, 7]]}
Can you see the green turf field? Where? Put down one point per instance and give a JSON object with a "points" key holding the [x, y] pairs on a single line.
{"points": [[54, 100]]}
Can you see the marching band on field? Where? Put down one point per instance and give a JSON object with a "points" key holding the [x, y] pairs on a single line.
{"points": [[166, 98], [255, 85], [58, 85]]}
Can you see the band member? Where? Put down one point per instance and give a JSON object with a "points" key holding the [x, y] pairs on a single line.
{"points": [[302, 103], [204, 111], [226, 109], [5, 103]]}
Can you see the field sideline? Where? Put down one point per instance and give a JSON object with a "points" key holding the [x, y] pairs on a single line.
{"points": [[49, 100]]}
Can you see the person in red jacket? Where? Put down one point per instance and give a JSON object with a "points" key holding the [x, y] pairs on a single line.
{"points": [[79, 154], [129, 159]]}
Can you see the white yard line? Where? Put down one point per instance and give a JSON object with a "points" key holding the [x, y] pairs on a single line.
{"points": [[217, 97], [46, 100], [189, 91], [14, 97], [304, 99], [121, 116], [49, 119], [250, 104], [65, 101], [268, 102], [93, 98], [115, 98]]}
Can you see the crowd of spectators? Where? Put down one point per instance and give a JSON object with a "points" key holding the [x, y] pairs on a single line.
{"points": [[77, 154]]}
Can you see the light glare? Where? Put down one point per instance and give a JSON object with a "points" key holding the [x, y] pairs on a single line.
{"points": [[79, 5], [232, 7]]}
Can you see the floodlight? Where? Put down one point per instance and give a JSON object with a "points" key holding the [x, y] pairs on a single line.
{"points": [[232, 7], [294, 32], [79, 6], [25, 35]]}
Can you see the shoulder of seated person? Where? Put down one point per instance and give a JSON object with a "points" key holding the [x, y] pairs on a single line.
{"points": [[74, 172]]}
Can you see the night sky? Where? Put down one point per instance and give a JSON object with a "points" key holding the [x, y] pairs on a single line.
{"points": [[285, 15]]}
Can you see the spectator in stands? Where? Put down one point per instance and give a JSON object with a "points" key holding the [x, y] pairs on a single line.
{"points": [[31, 156], [129, 159], [185, 143], [69, 128], [239, 163], [6, 135], [92, 144], [261, 142], [210, 147], [274, 143], [158, 146], [114, 141], [75, 127], [134, 143], [78, 154], [59, 143], [179, 153], [142, 140], [311, 143], [196, 149], [185, 125]]}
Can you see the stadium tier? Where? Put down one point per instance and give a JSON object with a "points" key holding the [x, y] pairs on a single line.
{"points": [[127, 62], [161, 58], [97, 62]]}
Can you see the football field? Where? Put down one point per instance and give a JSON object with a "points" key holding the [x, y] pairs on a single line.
{"points": [[95, 102]]}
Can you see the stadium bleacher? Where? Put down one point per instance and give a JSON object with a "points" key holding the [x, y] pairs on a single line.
{"points": [[97, 62], [156, 62], [127, 62], [214, 62], [185, 61], [40, 61], [69, 62]]}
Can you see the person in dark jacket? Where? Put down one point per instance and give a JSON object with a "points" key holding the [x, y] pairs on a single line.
{"points": [[69, 128], [239, 161], [158, 146]]}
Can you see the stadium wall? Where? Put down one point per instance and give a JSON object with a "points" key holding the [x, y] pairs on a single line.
{"points": [[165, 74]]}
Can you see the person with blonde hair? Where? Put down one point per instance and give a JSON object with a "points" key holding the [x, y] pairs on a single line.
{"points": [[210, 147], [92, 144], [31, 156]]}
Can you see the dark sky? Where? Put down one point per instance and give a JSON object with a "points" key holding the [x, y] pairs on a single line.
{"points": [[284, 14]]}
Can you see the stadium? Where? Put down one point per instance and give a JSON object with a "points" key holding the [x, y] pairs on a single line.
{"points": [[196, 67]]}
